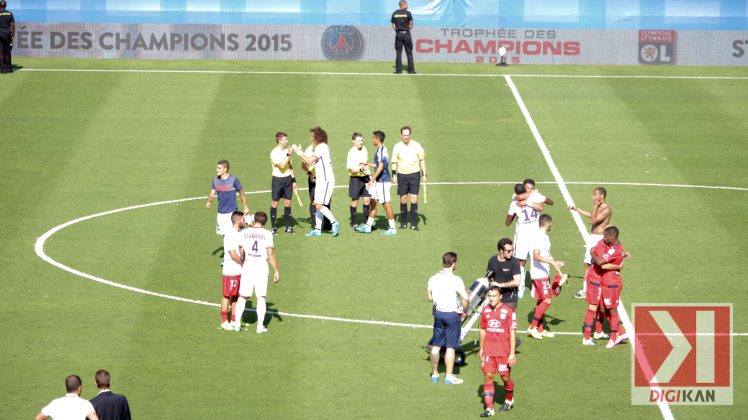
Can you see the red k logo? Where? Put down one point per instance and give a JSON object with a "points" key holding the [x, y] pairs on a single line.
{"points": [[682, 354]]}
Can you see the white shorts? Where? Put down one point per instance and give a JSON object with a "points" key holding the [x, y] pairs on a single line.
{"points": [[593, 239], [381, 192], [254, 279], [223, 223], [522, 247], [323, 192]]}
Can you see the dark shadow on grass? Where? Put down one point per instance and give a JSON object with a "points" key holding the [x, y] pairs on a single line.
{"points": [[549, 319], [250, 314], [421, 218], [471, 347], [441, 368], [499, 393], [217, 251], [310, 222], [381, 222]]}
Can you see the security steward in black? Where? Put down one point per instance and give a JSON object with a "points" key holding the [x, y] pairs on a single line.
{"points": [[7, 33], [402, 23]]}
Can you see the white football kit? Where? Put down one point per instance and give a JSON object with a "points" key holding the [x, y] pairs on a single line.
{"points": [[231, 243], [255, 243], [527, 224], [540, 270], [323, 172], [592, 240]]}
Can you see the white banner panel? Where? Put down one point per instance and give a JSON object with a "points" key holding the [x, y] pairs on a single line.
{"points": [[344, 42]]}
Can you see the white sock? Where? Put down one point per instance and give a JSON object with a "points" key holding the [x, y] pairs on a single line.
{"points": [[392, 223], [261, 309], [240, 303], [318, 217], [327, 213], [370, 222], [521, 291]]}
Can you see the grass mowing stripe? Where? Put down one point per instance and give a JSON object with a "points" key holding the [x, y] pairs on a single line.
{"points": [[370, 370], [330, 73], [39, 249], [663, 405]]}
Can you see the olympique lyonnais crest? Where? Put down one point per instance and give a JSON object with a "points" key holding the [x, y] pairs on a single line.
{"points": [[342, 42], [656, 47]]}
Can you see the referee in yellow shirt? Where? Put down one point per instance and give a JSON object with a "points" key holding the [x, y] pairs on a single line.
{"points": [[358, 170], [408, 165], [283, 183]]}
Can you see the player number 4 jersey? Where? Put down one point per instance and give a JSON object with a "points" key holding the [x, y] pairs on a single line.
{"points": [[498, 324], [255, 243]]}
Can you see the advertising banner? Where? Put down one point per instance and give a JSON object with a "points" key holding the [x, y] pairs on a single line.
{"points": [[369, 43]]}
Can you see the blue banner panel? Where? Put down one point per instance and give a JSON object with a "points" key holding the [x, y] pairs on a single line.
{"points": [[556, 14]]}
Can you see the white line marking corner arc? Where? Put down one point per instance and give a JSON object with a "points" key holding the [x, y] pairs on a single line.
{"points": [[41, 240]]}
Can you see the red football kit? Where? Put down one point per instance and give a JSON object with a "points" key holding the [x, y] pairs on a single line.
{"points": [[231, 286], [611, 279], [604, 288], [542, 289], [594, 277], [498, 324]]}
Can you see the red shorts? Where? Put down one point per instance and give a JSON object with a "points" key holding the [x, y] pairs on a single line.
{"points": [[594, 292], [611, 294], [542, 289], [231, 286], [491, 364]]}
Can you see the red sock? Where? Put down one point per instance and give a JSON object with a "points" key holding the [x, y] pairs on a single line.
{"points": [[488, 392], [614, 318], [589, 317], [540, 324], [509, 389], [224, 316], [599, 323], [539, 312]]}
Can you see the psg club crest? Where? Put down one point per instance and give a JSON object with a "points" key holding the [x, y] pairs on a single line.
{"points": [[656, 47], [342, 42]]}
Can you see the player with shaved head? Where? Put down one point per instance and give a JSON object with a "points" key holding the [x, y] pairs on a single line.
{"points": [[600, 217]]}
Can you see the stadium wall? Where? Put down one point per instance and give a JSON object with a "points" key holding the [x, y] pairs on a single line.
{"points": [[669, 32]]}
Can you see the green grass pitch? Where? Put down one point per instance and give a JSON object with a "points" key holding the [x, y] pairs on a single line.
{"points": [[76, 143]]}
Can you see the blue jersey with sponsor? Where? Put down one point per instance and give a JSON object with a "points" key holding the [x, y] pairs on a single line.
{"points": [[382, 156], [226, 190]]}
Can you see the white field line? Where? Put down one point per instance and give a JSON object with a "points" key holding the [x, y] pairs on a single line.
{"points": [[332, 73], [663, 405], [39, 249]]}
